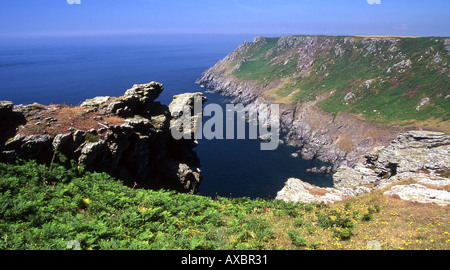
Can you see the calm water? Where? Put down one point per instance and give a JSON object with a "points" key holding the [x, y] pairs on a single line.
{"points": [[68, 71]]}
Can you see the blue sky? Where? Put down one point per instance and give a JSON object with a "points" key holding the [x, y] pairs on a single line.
{"points": [[31, 18]]}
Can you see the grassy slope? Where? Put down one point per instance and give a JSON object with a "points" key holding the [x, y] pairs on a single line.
{"points": [[392, 97], [45, 208]]}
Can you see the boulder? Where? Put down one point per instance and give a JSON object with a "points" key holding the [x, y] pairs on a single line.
{"points": [[296, 190], [137, 100]]}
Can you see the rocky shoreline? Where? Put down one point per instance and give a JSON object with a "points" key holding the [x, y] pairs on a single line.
{"points": [[362, 153], [419, 157], [340, 139], [365, 155], [128, 137]]}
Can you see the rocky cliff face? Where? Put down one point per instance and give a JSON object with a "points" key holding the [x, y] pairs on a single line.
{"points": [[128, 137], [420, 157], [334, 90]]}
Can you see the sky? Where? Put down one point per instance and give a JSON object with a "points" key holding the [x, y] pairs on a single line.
{"points": [[40, 18]]}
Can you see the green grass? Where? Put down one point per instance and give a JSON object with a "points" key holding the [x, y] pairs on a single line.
{"points": [[256, 67], [45, 208], [393, 95]]}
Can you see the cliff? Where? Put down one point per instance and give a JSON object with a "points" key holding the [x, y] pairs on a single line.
{"points": [[341, 96], [127, 137], [420, 159]]}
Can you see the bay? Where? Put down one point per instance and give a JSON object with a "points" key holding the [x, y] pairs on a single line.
{"points": [[70, 70]]}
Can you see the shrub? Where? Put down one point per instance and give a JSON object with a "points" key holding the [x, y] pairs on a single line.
{"points": [[296, 238], [91, 138]]}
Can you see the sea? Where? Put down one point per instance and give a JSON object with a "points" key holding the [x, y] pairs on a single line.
{"points": [[69, 70]]}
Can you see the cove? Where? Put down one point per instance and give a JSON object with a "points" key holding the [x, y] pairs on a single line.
{"points": [[69, 71], [239, 168]]}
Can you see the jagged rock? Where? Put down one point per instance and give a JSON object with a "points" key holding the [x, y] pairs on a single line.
{"points": [[186, 100], [36, 146], [403, 64], [61, 140], [128, 137], [5, 107], [406, 157], [9, 121], [415, 155], [353, 177], [184, 104], [412, 152], [295, 190], [137, 100], [183, 176], [323, 169], [145, 92]]}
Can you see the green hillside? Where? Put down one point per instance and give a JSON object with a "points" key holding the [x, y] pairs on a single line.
{"points": [[58, 208], [383, 80]]}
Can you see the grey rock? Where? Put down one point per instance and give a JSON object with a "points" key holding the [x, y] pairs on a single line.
{"points": [[296, 190], [413, 151], [95, 102], [36, 147], [6, 107], [406, 157], [437, 58], [349, 96], [137, 100], [423, 102], [61, 139], [145, 92], [183, 176], [447, 45], [185, 104], [420, 193]]}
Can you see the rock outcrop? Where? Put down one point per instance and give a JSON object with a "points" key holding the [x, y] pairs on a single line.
{"points": [[128, 137], [420, 193], [422, 157], [295, 190]]}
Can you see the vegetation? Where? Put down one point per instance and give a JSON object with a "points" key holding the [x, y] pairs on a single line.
{"points": [[58, 119], [57, 207], [379, 87]]}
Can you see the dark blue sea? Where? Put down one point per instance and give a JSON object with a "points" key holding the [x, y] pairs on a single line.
{"points": [[70, 70]]}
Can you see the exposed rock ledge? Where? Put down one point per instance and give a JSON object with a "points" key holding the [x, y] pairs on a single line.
{"points": [[128, 137], [420, 156]]}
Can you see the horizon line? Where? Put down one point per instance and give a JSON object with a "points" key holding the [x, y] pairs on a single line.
{"points": [[131, 33]]}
